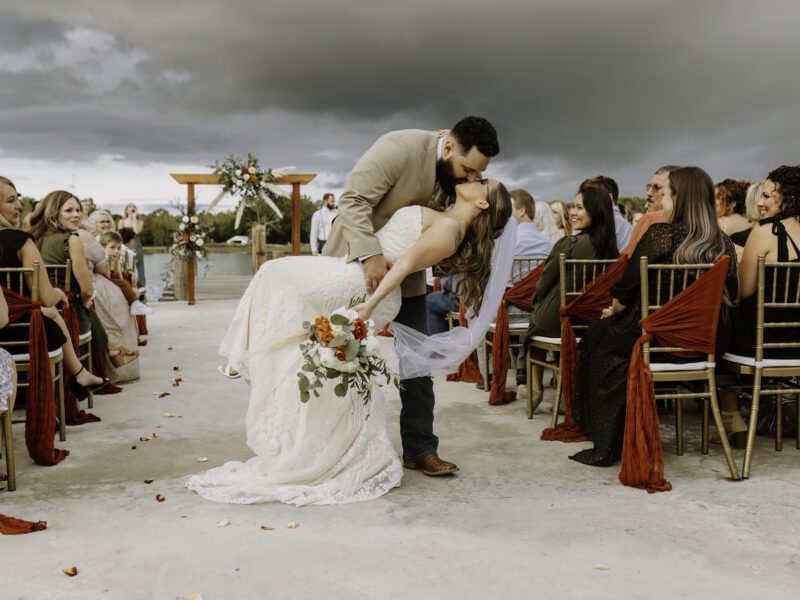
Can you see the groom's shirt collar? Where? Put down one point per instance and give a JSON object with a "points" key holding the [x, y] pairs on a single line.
{"points": [[439, 147]]}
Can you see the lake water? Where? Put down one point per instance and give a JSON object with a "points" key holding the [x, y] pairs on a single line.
{"points": [[219, 263]]}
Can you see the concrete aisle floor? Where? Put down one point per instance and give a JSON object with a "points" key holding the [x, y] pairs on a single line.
{"points": [[519, 521]]}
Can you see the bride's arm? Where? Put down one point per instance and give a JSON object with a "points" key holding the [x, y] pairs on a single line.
{"points": [[438, 242]]}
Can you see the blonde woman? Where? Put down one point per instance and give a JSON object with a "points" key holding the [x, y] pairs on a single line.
{"points": [[546, 223], [561, 216], [132, 220]]}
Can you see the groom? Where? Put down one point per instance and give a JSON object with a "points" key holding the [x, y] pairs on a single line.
{"points": [[405, 168]]}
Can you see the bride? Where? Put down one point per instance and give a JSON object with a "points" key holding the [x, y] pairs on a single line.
{"points": [[334, 450]]}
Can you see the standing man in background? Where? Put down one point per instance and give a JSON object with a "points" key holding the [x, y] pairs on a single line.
{"points": [[321, 222]]}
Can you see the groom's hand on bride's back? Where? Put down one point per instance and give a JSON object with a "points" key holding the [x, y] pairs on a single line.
{"points": [[375, 269]]}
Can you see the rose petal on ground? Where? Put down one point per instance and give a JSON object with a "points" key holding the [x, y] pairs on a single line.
{"points": [[71, 571], [173, 415], [224, 523], [144, 438], [176, 368], [160, 497], [149, 481], [265, 528], [133, 447], [201, 459], [162, 394], [293, 525]]}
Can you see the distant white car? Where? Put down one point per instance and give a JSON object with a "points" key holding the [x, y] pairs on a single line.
{"points": [[238, 240]]}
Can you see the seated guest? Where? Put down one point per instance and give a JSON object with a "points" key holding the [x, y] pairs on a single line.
{"points": [[561, 215], [622, 228], [655, 213], [130, 260], [730, 196], [546, 223], [442, 303], [753, 214], [100, 223], [18, 250], [778, 241], [529, 241], [54, 225], [636, 216], [591, 214], [113, 309], [690, 235]]}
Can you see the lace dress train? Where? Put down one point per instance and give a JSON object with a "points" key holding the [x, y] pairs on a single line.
{"points": [[330, 450]]}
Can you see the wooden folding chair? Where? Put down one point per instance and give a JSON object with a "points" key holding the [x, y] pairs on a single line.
{"points": [[574, 275], [520, 267], [8, 442], [13, 279], [670, 280], [759, 367], [61, 276]]}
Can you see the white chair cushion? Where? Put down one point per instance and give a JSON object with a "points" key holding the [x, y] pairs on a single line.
{"points": [[85, 336], [692, 366], [749, 361], [550, 340], [27, 357]]}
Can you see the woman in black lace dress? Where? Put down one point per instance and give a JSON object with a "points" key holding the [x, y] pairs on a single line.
{"points": [[690, 235]]}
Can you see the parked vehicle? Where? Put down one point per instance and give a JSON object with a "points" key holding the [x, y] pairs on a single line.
{"points": [[238, 240]]}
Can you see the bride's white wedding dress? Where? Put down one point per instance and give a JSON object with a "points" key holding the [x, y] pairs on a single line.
{"points": [[325, 451]]}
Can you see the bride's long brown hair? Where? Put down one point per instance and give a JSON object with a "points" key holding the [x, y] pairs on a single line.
{"points": [[473, 258]]}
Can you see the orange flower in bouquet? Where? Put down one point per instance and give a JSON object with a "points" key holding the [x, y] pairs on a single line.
{"points": [[322, 327], [360, 330]]}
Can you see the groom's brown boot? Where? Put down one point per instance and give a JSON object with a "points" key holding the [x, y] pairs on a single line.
{"points": [[431, 464]]}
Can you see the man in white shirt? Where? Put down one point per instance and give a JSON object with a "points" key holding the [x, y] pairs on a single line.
{"points": [[530, 242], [321, 222]]}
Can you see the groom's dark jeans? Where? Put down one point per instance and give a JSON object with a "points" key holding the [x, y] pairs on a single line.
{"points": [[416, 397]]}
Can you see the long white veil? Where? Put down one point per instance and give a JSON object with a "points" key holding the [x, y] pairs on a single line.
{"points": [[420, 355]]}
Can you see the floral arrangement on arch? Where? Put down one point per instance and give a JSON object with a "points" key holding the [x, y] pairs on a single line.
{"points": [[248, 181], [342, 347], [189, 241]]}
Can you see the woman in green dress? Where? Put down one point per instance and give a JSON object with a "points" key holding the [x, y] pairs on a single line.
{"points": [[593, 237], [54, 225]]}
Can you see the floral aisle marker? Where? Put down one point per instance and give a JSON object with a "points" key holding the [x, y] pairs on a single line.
{"points": [[249, 182], [188, 244]]}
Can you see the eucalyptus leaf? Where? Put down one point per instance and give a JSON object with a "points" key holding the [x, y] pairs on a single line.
{"points": [[338, 341], [340, 390], [338, 319], [351, 350]]}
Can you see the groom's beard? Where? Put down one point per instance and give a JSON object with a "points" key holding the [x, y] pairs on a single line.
{"points": [[446, 178]]}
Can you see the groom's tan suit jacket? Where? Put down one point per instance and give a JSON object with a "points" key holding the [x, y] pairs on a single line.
{"points": [[398, 170]]}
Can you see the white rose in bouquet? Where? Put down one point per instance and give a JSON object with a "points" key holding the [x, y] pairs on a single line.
{"points": [[371, 346], [185, 219], [192, 238], [199, 241], [194, 220], [327, 357], [347, 313], [349, 366]]}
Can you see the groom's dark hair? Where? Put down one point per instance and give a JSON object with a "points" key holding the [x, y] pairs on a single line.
{"points": [[476, 131]]}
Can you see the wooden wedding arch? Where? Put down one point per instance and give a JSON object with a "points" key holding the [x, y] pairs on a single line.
{"points": [[192, 179]]}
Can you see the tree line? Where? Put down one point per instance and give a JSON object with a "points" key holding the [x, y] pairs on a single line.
{"points": [[160, 224]]}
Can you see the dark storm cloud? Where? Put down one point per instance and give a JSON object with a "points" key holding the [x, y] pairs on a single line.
{"points": [[574, 88]]}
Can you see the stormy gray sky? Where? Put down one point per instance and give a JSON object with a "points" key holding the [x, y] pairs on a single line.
{"points": [[114, 95]]}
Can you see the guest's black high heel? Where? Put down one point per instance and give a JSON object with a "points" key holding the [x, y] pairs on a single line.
{"points": [[81, 391]]}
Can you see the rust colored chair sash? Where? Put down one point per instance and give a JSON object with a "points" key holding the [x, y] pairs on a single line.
{"points": [[688, 320], [586, 308], [40, 414], [74, 414], [520, 295], [468, 371], [13, 526]]}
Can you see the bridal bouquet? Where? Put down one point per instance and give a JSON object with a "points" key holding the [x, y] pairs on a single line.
{"points": [[341, 347]]}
